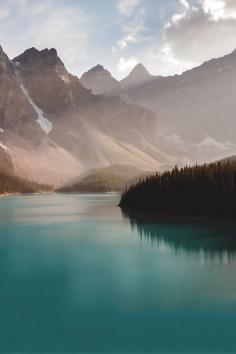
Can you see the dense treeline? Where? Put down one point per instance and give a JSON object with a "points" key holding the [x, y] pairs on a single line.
{"points": [[207, 190], [11, 184]]}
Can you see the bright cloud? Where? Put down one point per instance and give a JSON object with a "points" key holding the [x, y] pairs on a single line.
{"points": [[167, 36], [196, 34], [125, 65], [131, 34], [3, 13], [126, 7], [43, 25], [185, 4], [219, 9]]}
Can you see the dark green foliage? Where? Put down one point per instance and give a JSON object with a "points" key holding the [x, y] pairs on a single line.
{"points": [[10, 184], [207, 190]]}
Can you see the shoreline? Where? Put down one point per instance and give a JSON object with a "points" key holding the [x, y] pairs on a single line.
{"points": [[2, 195]]}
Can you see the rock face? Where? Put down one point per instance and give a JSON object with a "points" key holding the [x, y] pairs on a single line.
{"points": [[16, 114], [55, 128], [49, 84], [97, 130], [100, 81], [199, 103]]}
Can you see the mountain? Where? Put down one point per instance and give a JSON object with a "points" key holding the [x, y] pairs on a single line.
{"points": [[100, 81], [137, 76], [10, 183], [48, 84], [96, 130], [199, 103], [15, 111], [109, 179], [53, 128]]}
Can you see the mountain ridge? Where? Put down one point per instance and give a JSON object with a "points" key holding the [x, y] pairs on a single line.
{"points": [[75, 129], [54, 128]]}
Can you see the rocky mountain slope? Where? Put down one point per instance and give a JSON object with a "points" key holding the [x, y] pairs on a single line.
{"points": [[15, 111], [195, 110], [199, 103], [11, 183], [196, 105], [54, 128]]}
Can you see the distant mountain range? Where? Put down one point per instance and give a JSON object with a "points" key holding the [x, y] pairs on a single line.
{"points": [[54, 126], [194, 105], [100, 81]]}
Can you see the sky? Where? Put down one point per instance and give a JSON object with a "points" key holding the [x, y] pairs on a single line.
{"points": [[167, 36]]}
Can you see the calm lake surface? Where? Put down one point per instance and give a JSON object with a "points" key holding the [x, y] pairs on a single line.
{"points": [[76, 276]]}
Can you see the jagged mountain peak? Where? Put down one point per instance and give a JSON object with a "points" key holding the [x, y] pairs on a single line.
{"points": [[37, 57], [97, 68], [47, 82], [137, 75], [140, 69]]}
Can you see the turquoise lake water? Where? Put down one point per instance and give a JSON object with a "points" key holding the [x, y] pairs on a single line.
{"points": [[77, 276]]}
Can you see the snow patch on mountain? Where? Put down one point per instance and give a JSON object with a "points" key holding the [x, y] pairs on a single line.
{"points": [[3, 147], [44, 123]]}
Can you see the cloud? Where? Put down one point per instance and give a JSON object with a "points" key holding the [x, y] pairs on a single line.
{"points": [[3, 13], [44, 25], [219, 9], [125, 65], [64, 28], [131, 34], [195, 34], [126, 7], [185, 4], [170, 38], [132, 31]]}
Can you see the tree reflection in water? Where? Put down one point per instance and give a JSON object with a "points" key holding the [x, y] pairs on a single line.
{"points": [[213, 240]]}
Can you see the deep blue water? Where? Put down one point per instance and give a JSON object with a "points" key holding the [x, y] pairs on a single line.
{"points": [[76, 276]]}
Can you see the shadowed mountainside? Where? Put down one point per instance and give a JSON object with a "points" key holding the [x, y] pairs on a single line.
{"points": [[198, 103], [193, 106], [53, 128], [10, 183]]}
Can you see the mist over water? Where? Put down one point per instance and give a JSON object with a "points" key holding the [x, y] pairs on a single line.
{"points": [[76, 276]]}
